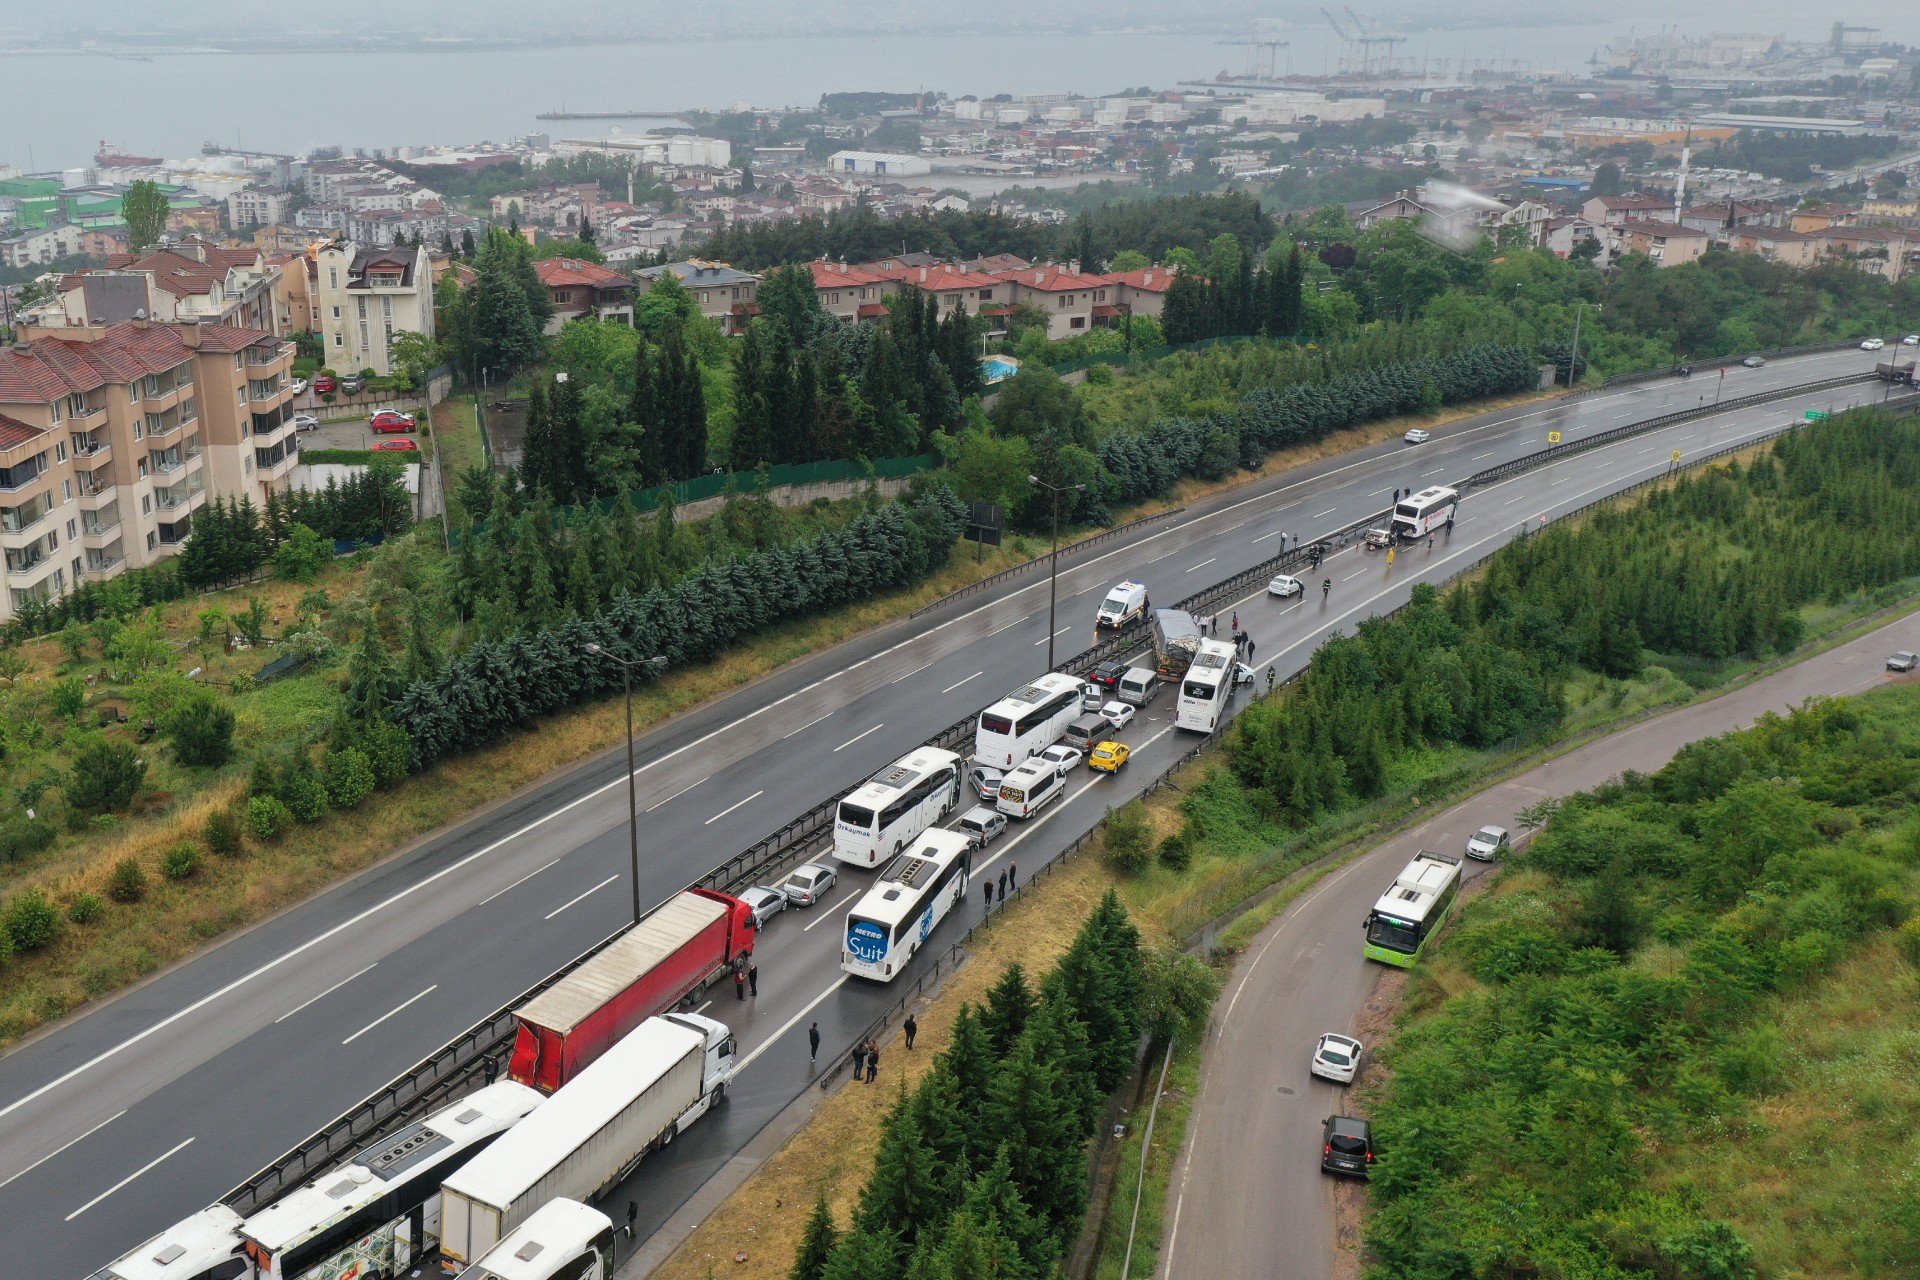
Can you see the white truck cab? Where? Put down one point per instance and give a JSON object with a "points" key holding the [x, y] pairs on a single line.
{"points": [[1126, 603]]}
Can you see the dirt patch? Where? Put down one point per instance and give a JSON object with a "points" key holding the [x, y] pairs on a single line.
{"points": [[834, 1149]]}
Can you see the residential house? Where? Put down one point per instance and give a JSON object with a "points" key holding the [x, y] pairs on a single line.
{"points": [[1794, 248], [1067, 296], [43, 245], [1821, 216], [1668, 243], [190, 279], [1903, 207], [721, 293], [851, 293], [1618, 211], [1720, 220], [1561, 236], [1140, 293], [364, 295], [112, 436], [952, 286], [1880, 251], [578, 290], [994, 263]]}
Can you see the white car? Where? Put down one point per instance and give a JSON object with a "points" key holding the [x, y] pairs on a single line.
{"points": [[1911, 340], [1118, 714], [298, 385], [1872, 344], [1903, 660], [1336, 1057], [1064, 759], [1417, 436], [305, 422], [1488, 843], [1284, 586], [763, 903], [806, 885]]}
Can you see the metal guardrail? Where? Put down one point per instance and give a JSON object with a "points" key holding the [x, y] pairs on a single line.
{"points": [[1019, 569], [1723, 362], [458, 1067]]}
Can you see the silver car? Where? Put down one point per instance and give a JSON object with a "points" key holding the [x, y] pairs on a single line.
{"points": [[806, 885], [1903, 660], [982, 825], [1488, 843], [764, 903]]}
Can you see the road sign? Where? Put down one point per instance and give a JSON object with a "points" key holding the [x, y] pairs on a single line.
{"points": [[1816, 415], [1553, 437], [1676, 456]]}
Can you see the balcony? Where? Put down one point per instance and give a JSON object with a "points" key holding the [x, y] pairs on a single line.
{"points": [[172, 535], [91, 446], [180, 496], [106, 560], [161, 425], [101, 524], [14, 520], [267, 356], [86, 413], [26, 561], [13, 479]]}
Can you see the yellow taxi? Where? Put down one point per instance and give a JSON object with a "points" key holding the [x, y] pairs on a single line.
{"points": [[1110, 756]]}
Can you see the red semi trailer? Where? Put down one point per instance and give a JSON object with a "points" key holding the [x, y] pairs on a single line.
{"points": [[679, 947]]}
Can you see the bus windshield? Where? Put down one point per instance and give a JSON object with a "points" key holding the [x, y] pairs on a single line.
{"points": [[854, 816], [1395, 935]]}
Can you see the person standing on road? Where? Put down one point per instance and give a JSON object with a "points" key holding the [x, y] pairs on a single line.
{"points": [[813, 1044], [1429, 542], [1235, 625], [1326, 586], [739, 984], [753, 978], [912, 1029], [859, 1063], [1213, 624], [633, 1211], [986, 887], [492, 1069], [1249, 648], [1389, 557]]}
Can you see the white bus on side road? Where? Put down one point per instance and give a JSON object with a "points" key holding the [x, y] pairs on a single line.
{"points": [[914, 894], [895, 806], [1207, 688], [1419, 514], [1027, 721]]}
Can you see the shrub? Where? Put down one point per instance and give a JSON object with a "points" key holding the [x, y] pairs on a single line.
{"points": [[260, 778], [1176, 851], [129, 882], [349, 777], [390, 751], [223, 834], [107, 775], [85, 907], [22, 836], [181, 861], [69, 698], [32, 921], [302, 554], [306, 795], [202, 730], [1128, 838], [267, 817]]}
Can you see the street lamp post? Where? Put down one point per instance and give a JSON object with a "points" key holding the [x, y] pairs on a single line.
{"points": [[1053, 563], [1579, 310], [627, 665]]}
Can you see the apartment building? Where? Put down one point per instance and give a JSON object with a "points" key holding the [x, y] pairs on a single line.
{"points": [[578, 290], [257, 207], [1668, 243], [364, 295], [113, 435], [721, 293], [190, 280]]}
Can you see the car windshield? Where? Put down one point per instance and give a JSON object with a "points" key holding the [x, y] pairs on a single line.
{"points": [[1488, 835], [1335, 1054], [1117, 602], [1348, 1145]]}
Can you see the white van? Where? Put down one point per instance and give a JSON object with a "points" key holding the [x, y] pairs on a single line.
{"points": [[1024, 791], [1138, 686], [1126, 603]]}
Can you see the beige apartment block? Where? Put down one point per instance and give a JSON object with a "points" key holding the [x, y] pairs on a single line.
{"points": [[112, 436], [364, 296]]}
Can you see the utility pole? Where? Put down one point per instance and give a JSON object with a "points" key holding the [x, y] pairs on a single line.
{"points": [[1579, 309]]}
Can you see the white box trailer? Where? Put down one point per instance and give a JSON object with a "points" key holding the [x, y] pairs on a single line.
{"points": [[590, 1134]]}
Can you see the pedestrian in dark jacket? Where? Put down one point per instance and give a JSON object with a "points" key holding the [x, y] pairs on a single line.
{"points": [[1003, 887], [912, 1029], [753, 978], [1013, 875], [1249, 648], [860, 1062], [873, 1060], [986, 887], [739, 984], [813, 1042]]}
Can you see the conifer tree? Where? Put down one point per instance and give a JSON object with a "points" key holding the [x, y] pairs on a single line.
{"points": [[536, 445], [904, 1195], [1010, 1004], [816, 1242]]}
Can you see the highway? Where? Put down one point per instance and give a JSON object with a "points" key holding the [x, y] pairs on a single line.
{"points": [[151, 1105], [1248, 1197]]}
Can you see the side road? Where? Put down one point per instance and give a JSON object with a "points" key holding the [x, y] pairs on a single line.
{"points": [[1248, 1195]]}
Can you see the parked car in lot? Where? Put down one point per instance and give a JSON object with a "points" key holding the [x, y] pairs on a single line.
{"points": [[1755, 362], [388, 420], [305, 422], [1488, 843], [1911, 340], [1110, 757], [985, 782], [1903, 660], [1872, 344], [764, 903], [325, 383], [297, 385], [1417, 436], [1118, 714], [1284, 586], [982, 825], [1335, 1057], [353, 384], [807, 884], [402, 445], [1346, 1146], [1060, 756]]}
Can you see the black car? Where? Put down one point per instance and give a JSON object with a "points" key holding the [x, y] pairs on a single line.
{"points": [[1346, 1146], [1107, 674]]}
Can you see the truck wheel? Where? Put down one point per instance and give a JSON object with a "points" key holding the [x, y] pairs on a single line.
{"points": [[666, 1139], [719, 1095]]}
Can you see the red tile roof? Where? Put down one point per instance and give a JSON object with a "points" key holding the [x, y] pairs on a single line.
{"points": [[14, 433], [871, 310], [839, 275], [48, 368], [1147, 280], [1050, 279], [999, 262], [561, 272], [940, 279]]}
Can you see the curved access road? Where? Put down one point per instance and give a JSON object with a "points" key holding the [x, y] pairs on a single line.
{"points": [[1249, 1199], [152, 1105]]}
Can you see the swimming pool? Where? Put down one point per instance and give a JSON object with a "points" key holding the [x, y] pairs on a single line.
{"points": [[999, 368]]}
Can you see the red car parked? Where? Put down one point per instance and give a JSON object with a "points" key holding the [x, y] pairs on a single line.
{"points": [[391, 420], [398, 444], [324, 383]]}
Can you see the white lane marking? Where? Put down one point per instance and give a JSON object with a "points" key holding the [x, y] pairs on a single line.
{"points": [[1510, 501], [1425, 474], [791, 1023], [516, 884], [575, 803], [1157, 559], [1561, 480], [1043, 639], [569, 902], [856, 737], [1377, 492], [429, 991], [1476, 457], [676, 795], [997, 630], [1275, 534], [1204, 563], [1648, 450], [916, 671], [730, 808], [1350, 577], [336, 986], [63, 1146], [829, 912], [1329, 511], [1229, 529], [950, 688], [803, 728], [129, 1178]]}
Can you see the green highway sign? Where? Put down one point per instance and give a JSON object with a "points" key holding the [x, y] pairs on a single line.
{"points": [[1817, 415]]}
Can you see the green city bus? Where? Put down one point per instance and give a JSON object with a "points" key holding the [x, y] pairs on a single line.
{"points": [[1413, 909]]}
